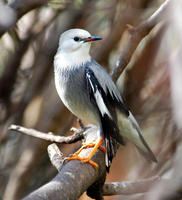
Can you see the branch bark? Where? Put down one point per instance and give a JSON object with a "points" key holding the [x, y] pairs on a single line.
{"points": [[81, 177], [110, 188], [74, 177], [136, 35], [131, 187]]}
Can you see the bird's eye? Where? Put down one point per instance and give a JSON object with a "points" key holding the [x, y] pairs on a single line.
{"points": [[76, 38]]}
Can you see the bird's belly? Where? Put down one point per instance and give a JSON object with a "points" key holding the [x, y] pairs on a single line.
{"points": [[78, 103], [81, 109], [85, 114]]}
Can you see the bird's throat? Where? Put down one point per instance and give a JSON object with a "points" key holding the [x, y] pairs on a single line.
{"points": [[65, 60]]}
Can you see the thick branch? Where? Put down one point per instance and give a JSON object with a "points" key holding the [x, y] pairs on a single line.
{"points": [[136, 35], [78, 135], [111, 188], [74, 178], [130, 187], [80, 177]]}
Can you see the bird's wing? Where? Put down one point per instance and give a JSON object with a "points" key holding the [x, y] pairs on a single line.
{"points": [[101, 99], [109, 126], [109, 88], [112, 99]]}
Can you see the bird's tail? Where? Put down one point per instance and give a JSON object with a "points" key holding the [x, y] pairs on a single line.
{"points": [[129, 128], [111, 146], [112, 137]]}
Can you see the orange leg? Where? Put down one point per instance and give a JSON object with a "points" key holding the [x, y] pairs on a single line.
{"points": [[92, 145], [88, 158]]}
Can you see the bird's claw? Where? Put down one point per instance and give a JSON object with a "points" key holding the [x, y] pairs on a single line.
{"points": [[87, 159]]}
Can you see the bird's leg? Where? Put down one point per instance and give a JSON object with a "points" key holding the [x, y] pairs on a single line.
{"points": [[92, 144], [85, 146], [88, 158]]}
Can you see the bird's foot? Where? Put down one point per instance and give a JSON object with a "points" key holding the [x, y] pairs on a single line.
{"points": [[83, 160], [87, 159], [91, 144], [85, 146]]}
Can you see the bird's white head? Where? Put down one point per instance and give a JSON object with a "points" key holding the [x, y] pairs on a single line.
{"points": [[74, 46]]}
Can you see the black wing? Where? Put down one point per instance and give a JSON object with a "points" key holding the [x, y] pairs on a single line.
{"points": [[105, 104]]}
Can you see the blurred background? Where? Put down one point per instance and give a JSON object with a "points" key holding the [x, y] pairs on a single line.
{"points": [[151, 85]]}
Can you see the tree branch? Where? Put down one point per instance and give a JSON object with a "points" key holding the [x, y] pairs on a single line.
{"points": [[111, 188], [78, 135], [136, 35], [74, 177], [130, 187], [14, 10], [81, 177]]}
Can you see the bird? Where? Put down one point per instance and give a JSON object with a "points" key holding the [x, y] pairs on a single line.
{"points": [[89, 92]]}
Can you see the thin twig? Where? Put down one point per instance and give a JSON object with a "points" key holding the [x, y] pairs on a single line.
{"points": [[136, 35], [78, 135]]}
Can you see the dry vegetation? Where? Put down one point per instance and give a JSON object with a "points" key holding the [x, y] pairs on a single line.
{"points": [[142, 51]]}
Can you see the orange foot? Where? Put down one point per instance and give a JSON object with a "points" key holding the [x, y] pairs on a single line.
{"points": [[88, 158]]}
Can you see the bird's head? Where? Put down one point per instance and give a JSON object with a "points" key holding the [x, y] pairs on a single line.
{"points": [[76, 43]]}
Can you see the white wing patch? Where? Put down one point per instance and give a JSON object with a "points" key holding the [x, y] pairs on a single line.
{"points": [[100, 102], [101, 105]]}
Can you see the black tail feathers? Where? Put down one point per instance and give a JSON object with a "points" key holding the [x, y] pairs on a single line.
{"points": [[112, 138]]}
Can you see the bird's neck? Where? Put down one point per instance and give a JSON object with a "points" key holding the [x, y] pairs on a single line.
{"points": [[71, 59]]}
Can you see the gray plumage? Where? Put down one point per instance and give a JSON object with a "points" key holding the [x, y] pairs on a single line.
{"points": [[89, 93], [72, 82]]}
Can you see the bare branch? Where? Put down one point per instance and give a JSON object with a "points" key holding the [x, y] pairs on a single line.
{"points": [[130, 187], [136, 35], [74, 177], [79, 177], [111, 188], [14, 10], [78, 135]]}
